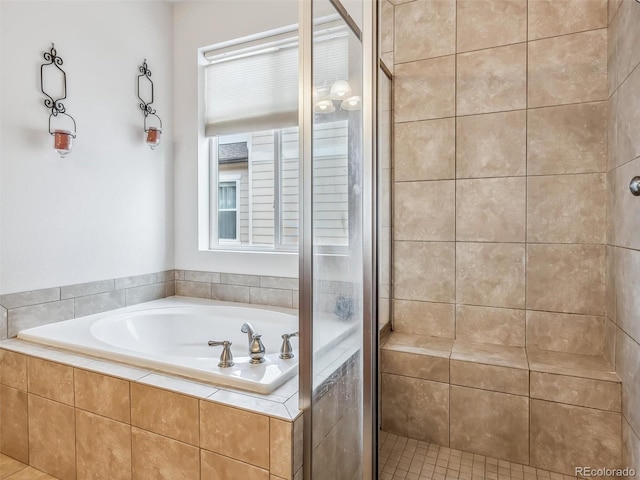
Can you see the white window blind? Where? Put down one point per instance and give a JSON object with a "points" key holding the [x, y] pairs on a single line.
{"points": [[259, 91]]}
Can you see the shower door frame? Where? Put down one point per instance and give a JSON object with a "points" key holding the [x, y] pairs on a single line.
{"points": [[370, 342]]}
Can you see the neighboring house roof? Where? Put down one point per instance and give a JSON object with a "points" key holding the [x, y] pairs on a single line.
{"points": [[233, 152]]}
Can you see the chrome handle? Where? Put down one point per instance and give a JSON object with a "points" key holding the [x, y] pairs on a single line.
{"points": [[256, 349], [634, 186], [226, 357], [286, 351]]}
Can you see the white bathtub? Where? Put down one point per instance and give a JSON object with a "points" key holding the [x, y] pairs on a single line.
{"points": [[171, 335]]}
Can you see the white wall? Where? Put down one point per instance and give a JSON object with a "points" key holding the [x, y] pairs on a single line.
{"points": [[197, 25], [106, 210]]}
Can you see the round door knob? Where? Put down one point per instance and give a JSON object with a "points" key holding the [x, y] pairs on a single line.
{"points": [[634, 186]]}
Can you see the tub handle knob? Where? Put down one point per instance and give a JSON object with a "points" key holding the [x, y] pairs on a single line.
{"points": [[286, 351], [256, 350], [226, 357]]}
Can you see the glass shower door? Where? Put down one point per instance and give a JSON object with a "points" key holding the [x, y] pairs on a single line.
{"points": [[337, 324]]}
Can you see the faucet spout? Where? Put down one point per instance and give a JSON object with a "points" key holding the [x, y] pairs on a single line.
{"points": [[249, 330]]}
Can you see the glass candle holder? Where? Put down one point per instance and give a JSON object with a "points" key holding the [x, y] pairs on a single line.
{"points": [[62, 142], [153, 137]]}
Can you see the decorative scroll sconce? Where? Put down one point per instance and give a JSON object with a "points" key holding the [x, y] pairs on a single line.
{"points": [[152, 133], [62, 138]]}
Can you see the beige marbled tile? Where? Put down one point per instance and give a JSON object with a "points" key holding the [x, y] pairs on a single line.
{"points": [[165, 413], [488, 354], [425, 89], [218, 467], [425, 29], [161, 458], [103, 395], [490, 209], [235, 433], [424, 271], [491, 145], [425, 211], [630, 446], [14, 419], [492, 80], [424, 318], [550, 18], [571, 364], [568, 69], [612, 131], [565, 436], [13, 369], [628, 116], [490, 274], [298, 444], [567, 208], [103, 447], [610, 333], [423, 358], [626, 216], [612, 60], [386, 26], [30, 473], [490, 423], [490, 23], [627, 362], [626, 270], [490, 377], [193, 289], [566, 278], [281, 448], [52, 434], [51, 380], [567, 139], [501, 326], [628, 38], [425, 150], [9, 466], [415, 408], [563, 332], [578, 391]]}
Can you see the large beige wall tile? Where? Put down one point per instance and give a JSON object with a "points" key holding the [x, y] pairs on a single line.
{"points": [[568, 69], [281, 448], [566, 278], [492, 80], [490, 274], [425, 29], [102, 394], [103, 447], [51, 380], [425, 211], [490, 423], [415, 408], [217, 467], [490, 377], [550, 18], [612, 127], [626, 269], [563, 332], [630, 447], [424, 90], [627, 366], [424, 271], [424, 318], [567, 208], [583, 392], [14, 422], [166, 413], [627, 53], [626, 215], [501, 326], [425, 150], [416, 365], [13, 369], [235, 433], [627, 119], [567, 139], [612, 61], [564, 437], [161, 458], [386, 26], [491, 145], [490, 23], [52, 435], [491, 209]]}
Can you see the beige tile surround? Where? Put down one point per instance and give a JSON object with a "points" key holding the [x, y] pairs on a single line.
{"points": [[74, 417]]}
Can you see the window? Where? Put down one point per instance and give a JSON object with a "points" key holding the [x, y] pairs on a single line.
{"points": [[228, 209]]}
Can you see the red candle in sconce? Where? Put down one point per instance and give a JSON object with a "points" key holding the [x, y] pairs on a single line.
{"points": [[153, 137], [62, 142]]}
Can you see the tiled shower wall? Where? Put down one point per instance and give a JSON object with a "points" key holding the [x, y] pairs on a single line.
{"points": [[500, 161], [623, 226]]}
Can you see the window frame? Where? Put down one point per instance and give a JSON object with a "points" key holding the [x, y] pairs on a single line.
{"points": [[235, 179]]}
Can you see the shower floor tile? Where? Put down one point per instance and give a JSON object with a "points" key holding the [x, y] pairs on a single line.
{"points": [[402, 458]]}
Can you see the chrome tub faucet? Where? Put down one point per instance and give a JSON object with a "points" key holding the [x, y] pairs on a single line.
{"points": [[256, 348]]}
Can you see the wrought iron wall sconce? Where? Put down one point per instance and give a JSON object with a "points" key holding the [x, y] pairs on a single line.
{"points": [[152, 133], [62, 138]]}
